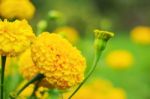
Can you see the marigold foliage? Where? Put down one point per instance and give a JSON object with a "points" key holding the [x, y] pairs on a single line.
{"points": [[15, 37], [21, 9]]}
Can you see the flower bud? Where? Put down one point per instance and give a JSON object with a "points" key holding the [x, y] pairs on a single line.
{"points": [[101, 38]]}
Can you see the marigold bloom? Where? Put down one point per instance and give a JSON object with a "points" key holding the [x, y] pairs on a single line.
{"points": [[15, 37], [25, 69], [27, 92], [41, 92], [60, 62], [99, 89], [119, 59], [141, 35], [69, 33], [21, 9]]}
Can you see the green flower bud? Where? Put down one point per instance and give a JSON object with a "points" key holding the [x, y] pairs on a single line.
{"points": [[101, 38], [41, 26], [53, 15]]}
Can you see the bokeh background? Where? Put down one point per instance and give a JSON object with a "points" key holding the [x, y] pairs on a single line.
{"points": [[125, 62]]}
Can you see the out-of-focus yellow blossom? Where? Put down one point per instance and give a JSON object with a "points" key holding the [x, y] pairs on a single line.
{"points": [[21, 9], [119, 59], [25, 69], [69, 33], [15, 37], [60, 62], [99, 89], [117, 93], [27, 92], [41, 93], [141, 35]]}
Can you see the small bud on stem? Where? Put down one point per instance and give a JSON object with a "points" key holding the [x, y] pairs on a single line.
{"points": [[101, 38]]}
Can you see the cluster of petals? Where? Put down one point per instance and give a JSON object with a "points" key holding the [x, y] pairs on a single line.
{"points": [[15, 37], [62, 64]]}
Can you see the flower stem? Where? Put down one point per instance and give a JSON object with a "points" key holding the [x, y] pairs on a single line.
{"points": [[101, 38], [2, 76], [36, 78], [88, 75]]}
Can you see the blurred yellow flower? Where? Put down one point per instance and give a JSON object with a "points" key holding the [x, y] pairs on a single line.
{"points": [[117, 93], [27, 92], [60, 62], [69, 33], [98, 89], [21, 9], [141, 35], [15, 37], [24, 68], [41, 92], [119, 59]]}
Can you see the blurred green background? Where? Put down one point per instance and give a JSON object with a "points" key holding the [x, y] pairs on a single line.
{"points": [[122, 14]]}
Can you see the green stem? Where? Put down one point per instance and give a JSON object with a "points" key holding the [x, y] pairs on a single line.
{"points": [[88, 75], [2, 76], [36, 78]]}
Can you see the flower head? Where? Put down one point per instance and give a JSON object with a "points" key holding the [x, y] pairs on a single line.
{"points": [[119, 59], [22, 9], [15, 37], [62, 64], [24, 68], [69, 33], [141, 35]]}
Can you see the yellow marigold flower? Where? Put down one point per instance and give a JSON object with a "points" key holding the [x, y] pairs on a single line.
{"points": [[119, 59], [27, 92], [99, 89], [25, 69], [15, 37], [69, 33], [60, 62], [29, 70], [141, 35], [22, 9], [41, 92]]}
